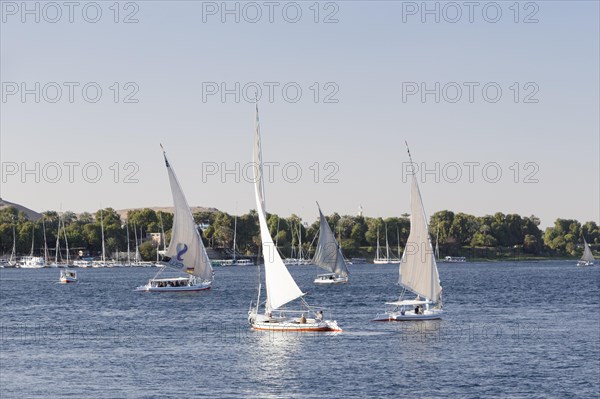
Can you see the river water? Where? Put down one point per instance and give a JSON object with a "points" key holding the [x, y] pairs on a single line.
{"points": [[518, 330]]}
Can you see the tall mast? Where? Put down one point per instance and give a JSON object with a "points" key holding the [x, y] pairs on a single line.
{"points": [[292, 231], [13, 254], [128, 250], [377, 252], [437, 239], [32, 238], [300, 250], [45, 242], [137, 251], [102, 235], [57, 251], [387, 245], [398, 238], [66, 241], [234, 235]]}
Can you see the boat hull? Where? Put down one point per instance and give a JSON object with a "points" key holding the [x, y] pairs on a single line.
{"points": [[338, 280], [263, 322], [386, 262], [67, 280], [295, 326], [409, 316], [189, 288], [583, 263]]}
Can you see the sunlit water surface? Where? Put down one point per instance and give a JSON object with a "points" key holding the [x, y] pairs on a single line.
{"points": [[518, 330]]}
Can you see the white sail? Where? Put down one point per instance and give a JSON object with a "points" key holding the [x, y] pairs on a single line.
{"points": [[281, 287], [587, 253], [328, 254], [418, 269], [186, 250]]}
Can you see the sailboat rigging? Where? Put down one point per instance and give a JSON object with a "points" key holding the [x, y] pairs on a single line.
{"points": [[588, 258], [186, 252], [328, 255], [418, 270], [280, 285]]}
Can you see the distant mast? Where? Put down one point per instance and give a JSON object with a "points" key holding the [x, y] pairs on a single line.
{"points": [[32, 238], [45, 242], [234, 236], [66, 240], [128, 249], [102, 236]]}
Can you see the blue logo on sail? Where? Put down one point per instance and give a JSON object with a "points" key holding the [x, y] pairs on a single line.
{"points": [[181, 249], [177, 261]]}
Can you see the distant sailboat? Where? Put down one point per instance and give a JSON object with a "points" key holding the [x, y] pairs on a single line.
{"points": [[280, 285], [328, 255], [102, 262], [66, 275], [387, 259], [588, 258], [418, 270], [31, 261], [236, 261], [186, 252]]}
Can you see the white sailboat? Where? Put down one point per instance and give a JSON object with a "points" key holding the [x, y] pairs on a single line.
{"points": [[301, 259], [418, 270], [186, 252], [31, 261], [387, 259], [328, 256], [292, 260], [236, 261], [280, 285], [102, 261], [66, 275], [588, 258], [46, 255]]}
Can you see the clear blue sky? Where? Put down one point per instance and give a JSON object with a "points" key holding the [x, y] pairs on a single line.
{"points": [[368, 54]]}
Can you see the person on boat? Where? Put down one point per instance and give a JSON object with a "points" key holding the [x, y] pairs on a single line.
{"points": [[302, 319], [319, 316]]}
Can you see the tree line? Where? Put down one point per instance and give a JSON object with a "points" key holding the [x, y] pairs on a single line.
{"points": [[454, 233]]}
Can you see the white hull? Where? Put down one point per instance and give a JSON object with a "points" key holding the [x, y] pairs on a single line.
{"points": [[431, 314], [68, 276], [386, 261], [174, 285], [189, 288], [294, 324], [330, 279], [583, 263], [457, 259]]}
